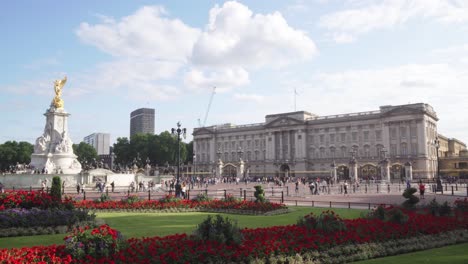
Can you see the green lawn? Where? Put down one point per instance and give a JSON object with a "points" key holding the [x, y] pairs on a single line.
{"points": [[154, 224], [456, 254]]}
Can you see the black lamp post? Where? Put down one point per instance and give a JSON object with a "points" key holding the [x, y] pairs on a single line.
{"points": [[178, 132]]}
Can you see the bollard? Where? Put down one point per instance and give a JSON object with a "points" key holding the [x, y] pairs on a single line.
{"points": [[287, 190], [272, 193], [399, 188], [354, 188], [225, 195], [107, 191], [313, 204], [296, 202], [149, 195], [388, 186], [452, 190], [377, 188], [84, 195], [128, 193], [369, 206], [245, 195], [467, 190], [14, 188], [282, 197], [30, 188], [349, 205], [341, 188], [206, 192], [240, 192], [445, 186], [456, 187], [366, 188], [330, 205]]}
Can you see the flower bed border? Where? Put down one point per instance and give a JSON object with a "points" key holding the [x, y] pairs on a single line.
{"points": [[366, 251], [44, 230], [188, 210]]}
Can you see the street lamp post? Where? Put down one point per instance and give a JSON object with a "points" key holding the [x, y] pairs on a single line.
{"points": [[178, 131], [194, 176]]}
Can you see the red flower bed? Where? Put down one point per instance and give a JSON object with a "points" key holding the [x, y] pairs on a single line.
{"points": [[258, 242], [24, 199], [158, 205]]}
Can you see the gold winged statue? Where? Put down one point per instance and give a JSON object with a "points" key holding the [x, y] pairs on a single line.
{"points": [[57, 102]]}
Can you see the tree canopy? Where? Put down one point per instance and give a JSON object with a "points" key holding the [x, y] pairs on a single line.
{"points": [[85, 152], [12, 152], [158, 149]]}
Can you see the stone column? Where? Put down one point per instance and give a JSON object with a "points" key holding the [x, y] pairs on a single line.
{"points": [[241, 169], [353, 173], [333, 172], [219, 169], [409, 170], [385, 169]]}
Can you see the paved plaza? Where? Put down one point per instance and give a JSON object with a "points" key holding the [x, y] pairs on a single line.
{"points": [[362, 197]]}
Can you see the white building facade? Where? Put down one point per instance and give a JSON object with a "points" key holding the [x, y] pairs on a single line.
{"points": [[100, 142], [394, 143]]}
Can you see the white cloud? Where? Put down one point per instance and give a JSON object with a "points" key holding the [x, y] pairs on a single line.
{"points": [[235, 36], [223, 79], [249, 97], [387, 14], [147, 33], [141, 77]]}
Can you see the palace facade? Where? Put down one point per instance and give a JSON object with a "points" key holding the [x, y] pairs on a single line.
{"points": [[393, 143]]}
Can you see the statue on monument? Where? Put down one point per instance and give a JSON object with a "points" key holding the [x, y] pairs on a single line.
{"points": [[57, 102]]}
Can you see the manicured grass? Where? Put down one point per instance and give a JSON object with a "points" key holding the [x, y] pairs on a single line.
{"points": [[456, 254], [154, 224]]}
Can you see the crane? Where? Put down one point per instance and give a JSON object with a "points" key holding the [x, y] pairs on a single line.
{"points": [[208, 108]]}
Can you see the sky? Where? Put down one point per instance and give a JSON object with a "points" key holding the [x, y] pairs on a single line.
{"points": [[325, 57]]}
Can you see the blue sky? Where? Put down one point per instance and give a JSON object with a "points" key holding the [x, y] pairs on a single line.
{"points": [[340, 56]]}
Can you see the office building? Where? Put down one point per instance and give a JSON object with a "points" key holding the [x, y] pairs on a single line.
{"points": [[100, 142], [142, 121]]}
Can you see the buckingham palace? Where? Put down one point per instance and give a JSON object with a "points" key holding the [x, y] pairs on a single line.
{"points": [[392, 143]]}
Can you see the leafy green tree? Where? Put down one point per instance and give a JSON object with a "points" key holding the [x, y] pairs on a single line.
{"points": [[85, 152], [12, 152], [56, 189], [159, 149]]}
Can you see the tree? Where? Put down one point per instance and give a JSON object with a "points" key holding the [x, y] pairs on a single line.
{"points": [[85, 152], [12, 152]]}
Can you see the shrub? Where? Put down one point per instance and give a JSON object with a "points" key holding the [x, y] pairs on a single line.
{"points": [[445, 209], [202, 197], [222, 230], [396, 215], [390, 214], [56, 190], [411, 199], [36, 217], [104, 198], [327, 221], [461, 205], [169, 199], [99, 242], [434, 207], [309, 221], [259, 194], [330, 222], [131, 199], [230, 198]]}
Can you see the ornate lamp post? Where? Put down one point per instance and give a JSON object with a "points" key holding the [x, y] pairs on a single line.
{"points": [[178, 131]]}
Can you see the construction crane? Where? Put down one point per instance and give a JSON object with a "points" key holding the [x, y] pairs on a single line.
{"points": [[208, 108]]}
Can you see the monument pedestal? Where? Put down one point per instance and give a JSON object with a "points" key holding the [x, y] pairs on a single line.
{"points": [[53, 151]]}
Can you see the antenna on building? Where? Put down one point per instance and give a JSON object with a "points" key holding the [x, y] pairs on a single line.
{"points": [[295, 95]]}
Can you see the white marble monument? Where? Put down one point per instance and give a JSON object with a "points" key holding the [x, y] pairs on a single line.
{"points": [[53, 150]]}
